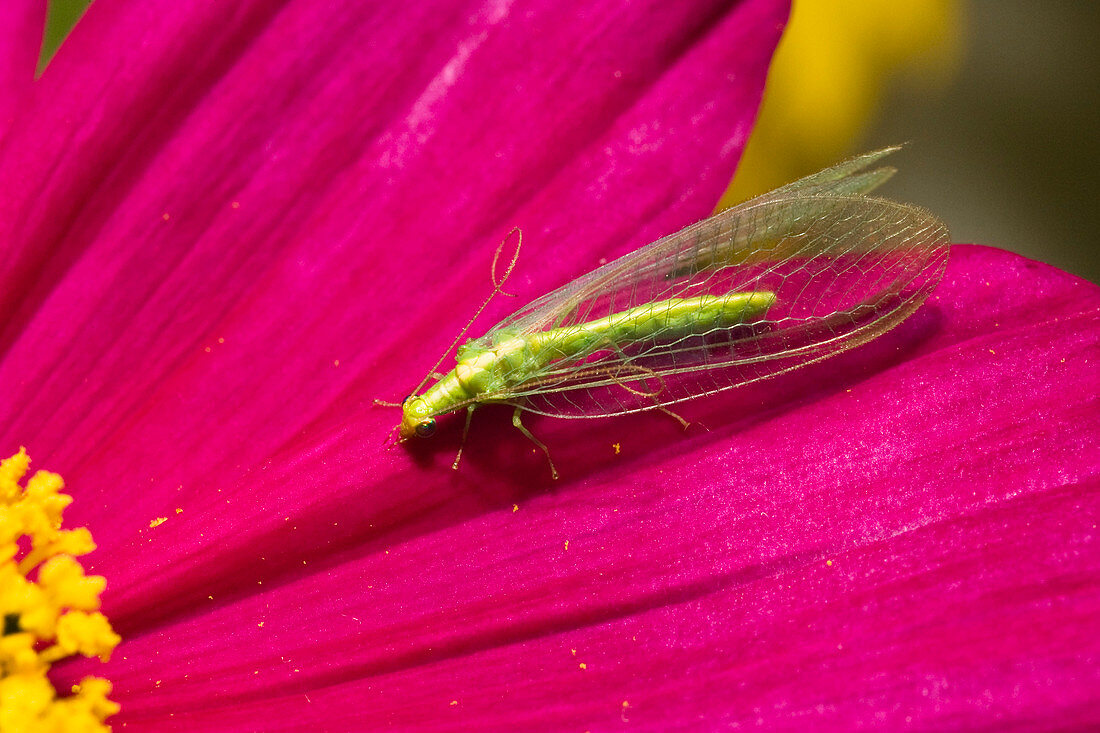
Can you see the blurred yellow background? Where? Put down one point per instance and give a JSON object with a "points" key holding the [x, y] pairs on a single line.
{"points": [[828, 81], [997, 99]]}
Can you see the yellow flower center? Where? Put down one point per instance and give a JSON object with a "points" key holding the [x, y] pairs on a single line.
{"points": [[49, 608]]}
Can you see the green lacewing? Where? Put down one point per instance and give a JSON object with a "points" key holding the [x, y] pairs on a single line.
{"points": [[783, 280]]}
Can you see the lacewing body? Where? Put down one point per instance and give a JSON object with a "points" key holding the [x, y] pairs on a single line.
{"points": [[781, 281]]}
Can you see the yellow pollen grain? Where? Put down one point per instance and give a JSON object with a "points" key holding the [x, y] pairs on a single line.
{"points": [[157, 522], [617, 447]]}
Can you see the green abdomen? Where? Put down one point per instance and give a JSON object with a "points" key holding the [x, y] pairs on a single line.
{"points": [[512, 361], [663, 320]]}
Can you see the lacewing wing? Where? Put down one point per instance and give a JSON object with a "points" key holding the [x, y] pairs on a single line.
{"points": [[787, 279]]}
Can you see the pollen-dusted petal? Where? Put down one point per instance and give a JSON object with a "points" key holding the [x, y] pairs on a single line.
{"points": [[902, 533], [220, 262], [202, 310]]}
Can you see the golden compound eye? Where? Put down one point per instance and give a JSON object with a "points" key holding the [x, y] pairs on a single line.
{"points": [[426, 429]]}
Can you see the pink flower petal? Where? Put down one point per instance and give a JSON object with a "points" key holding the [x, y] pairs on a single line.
{"points": [[183, 313], [21, 24], [906, 542], [204, 306]]}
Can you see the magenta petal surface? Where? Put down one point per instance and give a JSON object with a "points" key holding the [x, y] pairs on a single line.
{"points": [[206, 307], [21, 26], [226, 228], [907, 540]]}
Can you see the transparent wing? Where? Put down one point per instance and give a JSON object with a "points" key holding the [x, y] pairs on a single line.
{"points": [[844, 268], [692, 248], [848, 177]]}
